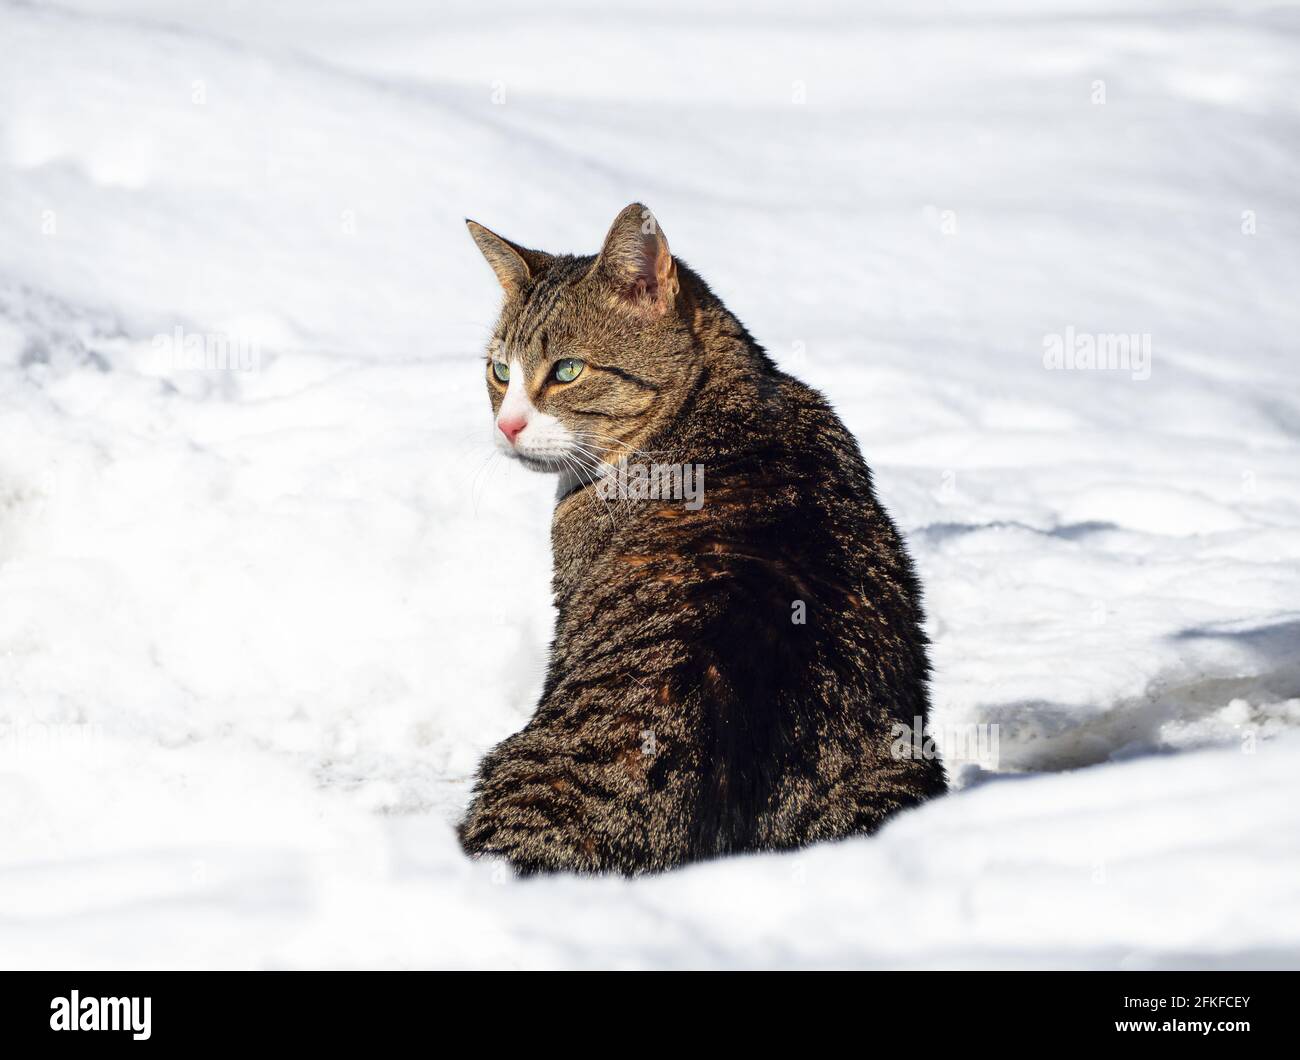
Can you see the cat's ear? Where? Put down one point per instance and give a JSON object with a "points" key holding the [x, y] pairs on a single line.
{"points": [[637, 261], [513, 264]]}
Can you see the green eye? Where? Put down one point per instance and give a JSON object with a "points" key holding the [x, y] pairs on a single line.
{"points": [[501, 370], [567, 370]]}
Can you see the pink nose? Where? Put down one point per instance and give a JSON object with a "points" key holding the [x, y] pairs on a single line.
{"points": [[511, 428]]}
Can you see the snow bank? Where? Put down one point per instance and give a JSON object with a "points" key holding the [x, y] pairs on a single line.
{"points": [[268, 595]]}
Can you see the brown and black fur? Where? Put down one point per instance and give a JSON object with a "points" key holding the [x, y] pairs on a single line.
{"points": [[686, 714]]}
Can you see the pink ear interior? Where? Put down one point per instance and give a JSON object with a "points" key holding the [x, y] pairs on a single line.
{"points": [[637, 258]]}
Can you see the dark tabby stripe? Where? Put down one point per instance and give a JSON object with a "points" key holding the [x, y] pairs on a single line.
{"points": [[627, 376]]}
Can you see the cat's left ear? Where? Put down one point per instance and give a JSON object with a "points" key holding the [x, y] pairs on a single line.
{"points": [[637, 261], [514, 265]]}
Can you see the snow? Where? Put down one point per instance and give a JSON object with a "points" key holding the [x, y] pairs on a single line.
{"points": [[259, 623]]}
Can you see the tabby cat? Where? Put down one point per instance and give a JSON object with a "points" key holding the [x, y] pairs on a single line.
{"points": [[725, 675]]}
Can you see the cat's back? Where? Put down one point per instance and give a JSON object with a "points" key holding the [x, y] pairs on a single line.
{"points": [[782, 566]]}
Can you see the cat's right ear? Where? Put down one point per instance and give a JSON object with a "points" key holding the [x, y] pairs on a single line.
{"points": [[514, 265], [636, 259]]}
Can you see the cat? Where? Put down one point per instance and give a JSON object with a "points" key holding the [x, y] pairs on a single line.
{"points": [[725, 677]]}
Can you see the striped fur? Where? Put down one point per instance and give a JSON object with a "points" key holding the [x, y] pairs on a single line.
{"points": [[686, 713]]}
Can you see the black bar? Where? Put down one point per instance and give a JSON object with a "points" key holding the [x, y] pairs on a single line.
{"points": [[585, 1010]]}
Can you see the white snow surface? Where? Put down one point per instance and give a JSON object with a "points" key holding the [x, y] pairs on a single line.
{"points": [[257, 626]]}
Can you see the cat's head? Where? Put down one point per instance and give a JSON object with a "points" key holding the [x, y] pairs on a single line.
{"points": [[589, 353]]}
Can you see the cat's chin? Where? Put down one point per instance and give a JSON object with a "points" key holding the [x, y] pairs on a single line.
{"points": [[536, 463]]}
